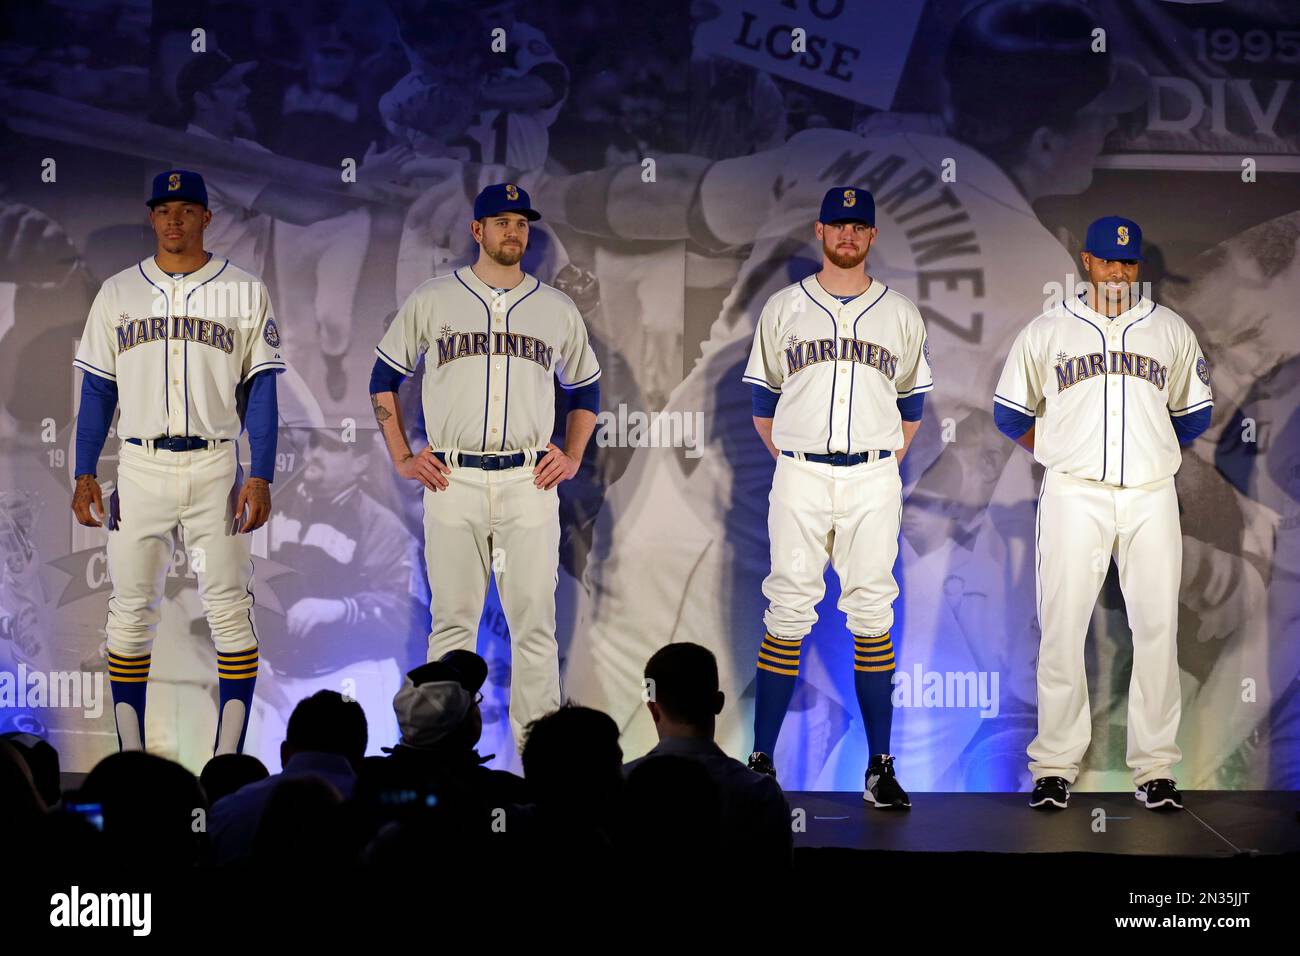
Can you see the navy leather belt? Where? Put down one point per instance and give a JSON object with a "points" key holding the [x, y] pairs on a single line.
{"points": [[177, 443], [840, 457], [488, 462]]}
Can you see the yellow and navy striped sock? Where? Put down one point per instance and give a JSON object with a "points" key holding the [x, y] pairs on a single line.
{"points": [[778, 669], [873, 682], [237, 677], [128, 676]]}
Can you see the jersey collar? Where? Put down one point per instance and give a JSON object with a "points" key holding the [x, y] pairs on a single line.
{"points": [[857, 306], [1140, 309], [487, 293], [200, 275]]}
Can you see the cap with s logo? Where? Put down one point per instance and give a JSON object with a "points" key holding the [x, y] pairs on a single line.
{"points": [[504, 197], [1114, 237], [178, 185], [848, 204]]}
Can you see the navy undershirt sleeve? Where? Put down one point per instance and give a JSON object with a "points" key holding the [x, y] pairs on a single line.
{"points": [[384, 378], [94, 419], [1010, 422], [1189, 427], [912, 407], [763, 401], [586, 396], [261, 418]]}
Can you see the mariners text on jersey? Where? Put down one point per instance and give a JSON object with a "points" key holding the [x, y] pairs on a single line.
{"points": [[453, 345]]}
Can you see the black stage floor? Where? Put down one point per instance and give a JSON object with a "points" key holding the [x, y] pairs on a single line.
{"points": [[1215, 823]]}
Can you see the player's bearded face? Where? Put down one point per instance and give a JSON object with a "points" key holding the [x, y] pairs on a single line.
{"points": [[846, 244], [505, 239]]}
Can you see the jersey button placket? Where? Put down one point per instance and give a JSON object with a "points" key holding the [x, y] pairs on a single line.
{"points": [[176, 388]]}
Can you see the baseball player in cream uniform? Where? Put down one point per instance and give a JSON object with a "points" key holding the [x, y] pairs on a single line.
{"points": [[495, 341], [186, 343], [1103, 389], [839, 373]]}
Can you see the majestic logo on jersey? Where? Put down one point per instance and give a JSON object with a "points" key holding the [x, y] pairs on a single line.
{"points": [[182, 328], [1080, 368], [173, 182], [802, 354], [850, 198], [512, 191], [1203, 371], [455, 345], [1121, 238], [272, 334], [925, 350]]}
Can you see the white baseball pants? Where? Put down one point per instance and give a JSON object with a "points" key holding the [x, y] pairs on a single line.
{"points": [[157, 492], [499, 522], [1081, 524], [847, 514]]}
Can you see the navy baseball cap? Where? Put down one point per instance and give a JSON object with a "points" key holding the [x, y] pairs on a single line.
{"points": [[1114, 237], [848, 204], [504, 197], [178, 185]]}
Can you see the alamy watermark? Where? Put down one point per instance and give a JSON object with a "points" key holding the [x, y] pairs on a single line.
{"points": [[921, 688], [624, 428], [79, 690]]}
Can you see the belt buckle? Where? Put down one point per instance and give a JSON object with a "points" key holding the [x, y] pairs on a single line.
{"points": [[489, 462]]}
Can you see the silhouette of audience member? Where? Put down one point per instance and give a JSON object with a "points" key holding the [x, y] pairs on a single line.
{"points": [[673, 820], [685, 702], [20, 803], [42, 761], [301, 827], [150, 810], [432, 787], [573, 765], [226, 773], [326, 738]]}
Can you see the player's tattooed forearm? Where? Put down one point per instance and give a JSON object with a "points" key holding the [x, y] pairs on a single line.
{"points": [[381, 413]]}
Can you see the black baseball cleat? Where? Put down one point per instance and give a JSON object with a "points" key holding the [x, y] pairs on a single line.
{"points": [[883, 790], [760, 762], [1050, 793], [1160, 794]]}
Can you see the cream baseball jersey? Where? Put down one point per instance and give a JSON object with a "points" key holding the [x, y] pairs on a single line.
{"points": [[839, 367], [179, 347], [489, 359], [1104, 390]]}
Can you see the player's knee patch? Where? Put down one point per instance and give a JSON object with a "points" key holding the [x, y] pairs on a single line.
{"points": [[780, 655], [873, 654]]}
